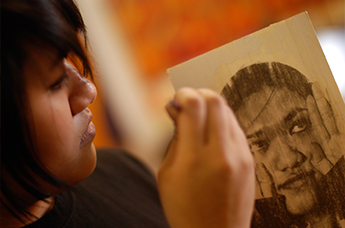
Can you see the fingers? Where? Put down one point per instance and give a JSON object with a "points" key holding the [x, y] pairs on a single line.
{"points": [[190, 120], [203, 119], [264, 181], [216, 127], [173, 108], [319, 160], [202, 115], [324, 109], [170, 155]]}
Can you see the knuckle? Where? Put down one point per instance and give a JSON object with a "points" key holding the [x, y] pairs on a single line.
{"points": [[189, 98], [246, 165], [195, 102], [247, 162], [207, 92], [240, 165], [215, 101], [211, 97]]}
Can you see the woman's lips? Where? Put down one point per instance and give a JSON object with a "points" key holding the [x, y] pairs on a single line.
{"points": [[89, 135]]}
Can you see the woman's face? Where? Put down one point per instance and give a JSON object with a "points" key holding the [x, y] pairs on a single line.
{"points": [[58, 115]]}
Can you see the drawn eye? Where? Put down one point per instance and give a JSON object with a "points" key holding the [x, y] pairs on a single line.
{"points": [[298, 126], [259, 146]]}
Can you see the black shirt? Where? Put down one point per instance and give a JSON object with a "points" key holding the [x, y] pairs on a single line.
{"points": [[121, 192]]}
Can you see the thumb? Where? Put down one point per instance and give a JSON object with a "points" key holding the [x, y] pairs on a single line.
{"points": [[172, 108], [170, 155]]}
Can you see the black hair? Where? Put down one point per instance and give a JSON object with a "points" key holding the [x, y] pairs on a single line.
{"points": [[57, 23], [256, 77]]}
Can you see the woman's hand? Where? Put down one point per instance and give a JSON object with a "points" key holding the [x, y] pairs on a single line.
{"points": [[208, 176]]}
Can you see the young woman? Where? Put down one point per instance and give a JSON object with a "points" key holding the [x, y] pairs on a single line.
{"points": [[50, 173]]}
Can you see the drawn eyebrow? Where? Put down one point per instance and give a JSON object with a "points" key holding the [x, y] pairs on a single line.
{"points": [[293, 113], [255, 134]]}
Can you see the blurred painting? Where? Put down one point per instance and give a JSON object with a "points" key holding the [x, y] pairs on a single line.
{"points": [[163, 33]]}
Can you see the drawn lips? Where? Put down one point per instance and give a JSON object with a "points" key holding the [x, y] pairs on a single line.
{"points": [[295, 182]]}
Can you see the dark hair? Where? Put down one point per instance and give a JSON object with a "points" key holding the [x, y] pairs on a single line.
{"points": [[31, 22], [256, 77]]}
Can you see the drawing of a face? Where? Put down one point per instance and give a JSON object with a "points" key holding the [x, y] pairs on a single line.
{"points": [[279, 132]]}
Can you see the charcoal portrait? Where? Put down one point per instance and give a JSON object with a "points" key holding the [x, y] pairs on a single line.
{"points": [[282, 91], [294, 137]]}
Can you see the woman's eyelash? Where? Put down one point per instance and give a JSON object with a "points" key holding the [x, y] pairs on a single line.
{"points": [[58, 83]]}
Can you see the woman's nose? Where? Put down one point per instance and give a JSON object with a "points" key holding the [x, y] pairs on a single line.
{"points": [[83, 92]]}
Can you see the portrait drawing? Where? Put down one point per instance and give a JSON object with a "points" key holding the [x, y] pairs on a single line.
{"points": [[279, 85]]}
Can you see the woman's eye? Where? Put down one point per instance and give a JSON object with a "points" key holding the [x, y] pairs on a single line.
{"points": [[58, 84]]}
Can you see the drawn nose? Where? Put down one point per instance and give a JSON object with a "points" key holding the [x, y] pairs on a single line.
{"points": [[287, 156]]}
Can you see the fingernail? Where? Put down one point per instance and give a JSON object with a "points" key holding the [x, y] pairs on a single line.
{"points": [[176, 105], [173, 108]]}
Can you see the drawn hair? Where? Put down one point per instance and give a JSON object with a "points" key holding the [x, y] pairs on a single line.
{"points": [[256, 77]]}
